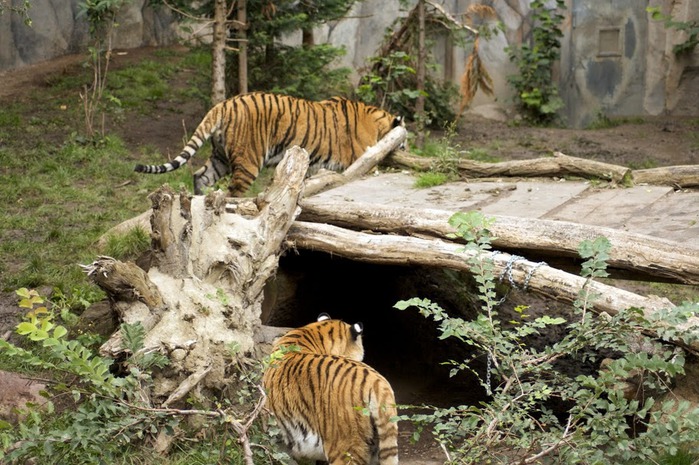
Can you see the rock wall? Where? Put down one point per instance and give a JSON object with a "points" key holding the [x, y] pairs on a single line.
{"points": [[615, 59], [58, 30]]}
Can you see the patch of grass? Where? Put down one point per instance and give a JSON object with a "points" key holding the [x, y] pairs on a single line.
{"points": [[139, 85], [60, 192], [602, 121], [127, 246], [431, 179], [482, 155], [694, 141], [643, 164], [681, 457]]}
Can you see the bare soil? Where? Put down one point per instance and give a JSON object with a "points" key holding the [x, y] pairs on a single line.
{"points": [[638, 143]]}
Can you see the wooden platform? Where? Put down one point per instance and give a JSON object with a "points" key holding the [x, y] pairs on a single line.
{"points": [[652, 210]]}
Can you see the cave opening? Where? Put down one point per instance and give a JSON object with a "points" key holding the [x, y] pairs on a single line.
{"points": [[404, 346]]}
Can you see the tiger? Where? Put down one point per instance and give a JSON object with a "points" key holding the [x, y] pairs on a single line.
{"points": [[330, 406], [253, 130]]}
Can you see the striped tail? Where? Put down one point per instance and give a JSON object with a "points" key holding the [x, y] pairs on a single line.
{"points": [[387, 427], [209, 124]]}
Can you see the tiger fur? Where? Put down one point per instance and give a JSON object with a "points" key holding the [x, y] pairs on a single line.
{"points": [[252, 130], [317, 391]]}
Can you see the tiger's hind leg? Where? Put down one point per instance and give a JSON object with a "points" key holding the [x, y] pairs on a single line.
{"points": [[214, 169], [242, 176]]}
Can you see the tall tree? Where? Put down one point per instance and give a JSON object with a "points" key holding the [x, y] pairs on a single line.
{"points": [[253, 29]]}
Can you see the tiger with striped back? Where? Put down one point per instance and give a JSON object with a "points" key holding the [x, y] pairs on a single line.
{"points": [[252, 130], [330, 405]]}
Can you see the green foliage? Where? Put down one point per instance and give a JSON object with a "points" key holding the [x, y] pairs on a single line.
{"points": [[518, 422], [445, 154], [691, 28], [93, 414], [391, 84], [303, 72], [129, 245], [536, 93], [22, 10], [273, 65]]}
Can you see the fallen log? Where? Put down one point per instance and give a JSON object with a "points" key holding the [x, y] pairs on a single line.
{"points": [[540, 278], [682, 176], [650, 256], [557, 165]]}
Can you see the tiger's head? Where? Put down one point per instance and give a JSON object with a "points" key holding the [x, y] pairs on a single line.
{"points": [[327, 336]]}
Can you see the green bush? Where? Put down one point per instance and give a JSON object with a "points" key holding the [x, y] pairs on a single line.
{"points": [[536, 94], [593, 423], [96, 411]]}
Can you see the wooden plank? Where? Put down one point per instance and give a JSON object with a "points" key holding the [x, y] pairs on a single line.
{"points": [[674, 216], [533, 199], [399, 189], [612, 208]]}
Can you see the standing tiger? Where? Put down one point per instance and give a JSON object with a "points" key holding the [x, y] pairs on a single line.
{"points": [[329, 404], [252, 130]]}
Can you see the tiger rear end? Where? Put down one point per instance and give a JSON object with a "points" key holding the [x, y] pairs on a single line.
{"points": [[330, 405]]}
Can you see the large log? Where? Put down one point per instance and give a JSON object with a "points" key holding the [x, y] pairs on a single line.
{"points": [[559, 165], [539, 278], [682, 176], [556, 165], [650, 256]]}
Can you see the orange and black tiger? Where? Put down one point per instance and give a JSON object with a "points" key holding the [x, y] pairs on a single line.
{"points": [[330, 405], [252, 130]]}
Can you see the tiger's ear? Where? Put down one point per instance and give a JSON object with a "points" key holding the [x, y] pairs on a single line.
{"points": [[357, 329], [323, 316], [398, 121]]}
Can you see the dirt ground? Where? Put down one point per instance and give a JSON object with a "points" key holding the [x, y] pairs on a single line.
{"points": [[638, 143]]}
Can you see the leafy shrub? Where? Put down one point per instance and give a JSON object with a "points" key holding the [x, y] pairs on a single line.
{"points": [[594, 422], [96, 411], [536, 93]]}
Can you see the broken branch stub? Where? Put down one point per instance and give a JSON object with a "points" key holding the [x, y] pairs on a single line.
{"points": [[209, 268]]}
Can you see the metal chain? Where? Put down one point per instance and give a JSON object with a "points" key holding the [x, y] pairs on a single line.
{"points": [[507, 272], [488, 370]]}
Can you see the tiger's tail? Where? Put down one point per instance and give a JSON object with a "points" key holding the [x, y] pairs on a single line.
{"points": [[210, 123], [385, 415]]}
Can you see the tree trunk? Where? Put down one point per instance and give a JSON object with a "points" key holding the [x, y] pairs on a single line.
{"points": [[560, 165], [242, 36], [203, 293], [637, 253], [420, 74], [682, 176], [218, 52]]}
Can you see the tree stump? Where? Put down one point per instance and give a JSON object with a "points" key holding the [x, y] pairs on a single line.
{"points": [[200, 301]]}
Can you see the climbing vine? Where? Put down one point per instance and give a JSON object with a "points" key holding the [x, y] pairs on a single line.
{"points": [[536, 93]]}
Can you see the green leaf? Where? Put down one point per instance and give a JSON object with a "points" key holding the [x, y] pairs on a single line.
{"points": [[25, 328], [59, 332]]}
